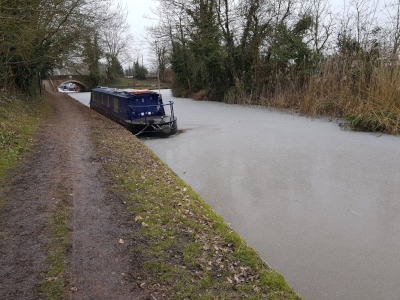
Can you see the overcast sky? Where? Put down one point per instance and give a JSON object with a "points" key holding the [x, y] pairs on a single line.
{"points": [[141, 16]]}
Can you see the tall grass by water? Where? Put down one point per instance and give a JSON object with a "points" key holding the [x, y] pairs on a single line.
{"points": [[364, 92]]}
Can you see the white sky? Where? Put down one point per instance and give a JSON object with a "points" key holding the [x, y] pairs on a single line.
{"points": [[140, 16]]}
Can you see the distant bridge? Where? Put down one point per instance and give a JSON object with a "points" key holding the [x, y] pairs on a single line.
{"points": [[82, 81]]}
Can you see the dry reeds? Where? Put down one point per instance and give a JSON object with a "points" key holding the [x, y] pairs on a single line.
{"points": [[365, 92]]}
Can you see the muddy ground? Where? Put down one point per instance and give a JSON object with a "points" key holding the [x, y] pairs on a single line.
{"points": [[63, 163]]}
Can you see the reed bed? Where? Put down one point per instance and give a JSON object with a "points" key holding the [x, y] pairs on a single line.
{"points": [[362, 91]]}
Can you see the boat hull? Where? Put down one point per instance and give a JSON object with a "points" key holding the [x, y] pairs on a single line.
{"points": [[141, 112], [153, 127]]}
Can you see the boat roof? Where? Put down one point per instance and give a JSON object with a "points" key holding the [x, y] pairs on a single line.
{"points": [[122, 93]]}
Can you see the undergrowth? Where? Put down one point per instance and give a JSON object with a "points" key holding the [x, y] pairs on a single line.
{"points": [[365, 94], [19, 118], [381, 122]]}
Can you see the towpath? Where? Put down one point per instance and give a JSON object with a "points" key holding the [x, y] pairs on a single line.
{"points": [[63, 164]]}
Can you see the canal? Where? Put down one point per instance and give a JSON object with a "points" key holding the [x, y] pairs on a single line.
{"points": [[320, 204]]}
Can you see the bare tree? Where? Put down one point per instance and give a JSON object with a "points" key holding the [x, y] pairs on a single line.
{"points": [[115, 32], [392, 12], [322, 27], [38, 35], [359, 22]]}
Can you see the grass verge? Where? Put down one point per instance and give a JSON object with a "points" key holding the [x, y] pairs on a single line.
{"points": [[187, 250], [19, 118], [138, 84], [53, 286]]}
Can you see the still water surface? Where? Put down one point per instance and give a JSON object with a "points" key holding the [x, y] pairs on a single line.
{"points": [[321, 205]]}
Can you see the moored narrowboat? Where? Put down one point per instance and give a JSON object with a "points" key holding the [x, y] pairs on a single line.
{"points": [[141, 111]]}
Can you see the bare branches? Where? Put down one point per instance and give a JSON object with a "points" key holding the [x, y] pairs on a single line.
{"points": [[38, 35]]}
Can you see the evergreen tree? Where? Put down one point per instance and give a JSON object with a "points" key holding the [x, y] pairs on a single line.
{"points": [[92, 55], [114, 68], [140, 71]]}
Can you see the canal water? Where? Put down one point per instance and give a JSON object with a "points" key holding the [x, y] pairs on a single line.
{"points": [[320, 204], [81, 97]]}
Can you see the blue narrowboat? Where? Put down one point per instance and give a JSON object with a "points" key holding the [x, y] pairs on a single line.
{"points": [[141, 111]]}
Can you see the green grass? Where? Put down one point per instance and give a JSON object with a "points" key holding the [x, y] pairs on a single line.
{"points": [[381, 122], [132, 83], [53, 286], [188, 251], [19, 118]]}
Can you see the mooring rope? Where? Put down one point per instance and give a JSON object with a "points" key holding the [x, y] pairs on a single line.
{"points": [[140, 132]]}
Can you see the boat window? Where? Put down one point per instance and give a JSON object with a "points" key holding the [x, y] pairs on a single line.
{"points": [[116, 105]]}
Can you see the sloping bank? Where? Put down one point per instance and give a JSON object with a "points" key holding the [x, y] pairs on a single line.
{"points": [[186, 250], [18, 121]]}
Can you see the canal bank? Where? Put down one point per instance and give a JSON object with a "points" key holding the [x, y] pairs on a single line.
{"points": [[91, 213], [320, 204]]}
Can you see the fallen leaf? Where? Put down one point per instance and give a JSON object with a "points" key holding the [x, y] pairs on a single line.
{"points": [[256, 289], [236, 278], [51, 278], [138, 218]]}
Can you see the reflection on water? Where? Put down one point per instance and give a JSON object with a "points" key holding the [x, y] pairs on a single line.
{"points": [[81, 97], [321, 205]]}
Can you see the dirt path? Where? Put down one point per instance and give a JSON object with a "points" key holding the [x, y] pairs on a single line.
{"points": [[64, 163]]}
